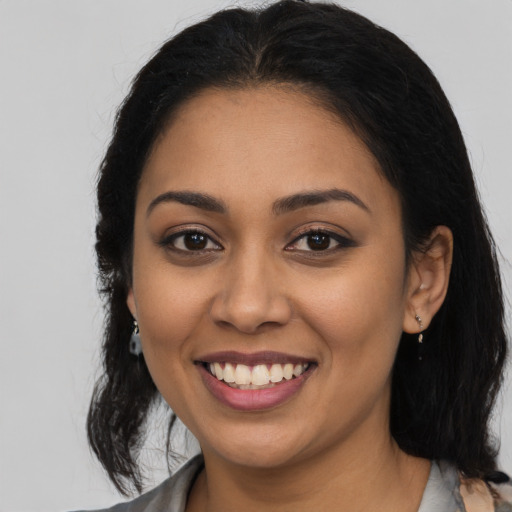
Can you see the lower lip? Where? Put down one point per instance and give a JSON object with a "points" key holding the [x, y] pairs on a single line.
{"points": [[253, 399]]}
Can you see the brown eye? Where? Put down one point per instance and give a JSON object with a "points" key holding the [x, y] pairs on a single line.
{"points": [[190, 241], [319, 241], [195, 241]]}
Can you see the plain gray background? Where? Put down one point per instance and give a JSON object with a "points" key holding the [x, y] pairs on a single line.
{"points": [[65, 65]]}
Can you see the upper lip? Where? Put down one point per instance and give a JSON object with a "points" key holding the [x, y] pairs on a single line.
{"points": [[253, 359]]}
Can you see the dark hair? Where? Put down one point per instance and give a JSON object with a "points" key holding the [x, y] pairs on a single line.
{"points": [[377, 85]]}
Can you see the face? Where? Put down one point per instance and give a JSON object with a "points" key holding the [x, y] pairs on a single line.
{"points": [[268, 250]]}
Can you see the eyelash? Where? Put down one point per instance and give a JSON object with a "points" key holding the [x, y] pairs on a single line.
{"points": [[342, 242], [169, 242]]}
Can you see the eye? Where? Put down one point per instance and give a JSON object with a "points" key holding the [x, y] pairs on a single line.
{"points": [[318, 241], [191, 241]]}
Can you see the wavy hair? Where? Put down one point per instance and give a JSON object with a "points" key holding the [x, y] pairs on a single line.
{"points": [[376, 84]]}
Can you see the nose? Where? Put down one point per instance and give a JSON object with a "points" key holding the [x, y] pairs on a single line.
{"points": [[251, 296]]}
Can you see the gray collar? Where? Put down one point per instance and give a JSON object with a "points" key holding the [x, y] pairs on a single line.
{"points": [[442, 491]]}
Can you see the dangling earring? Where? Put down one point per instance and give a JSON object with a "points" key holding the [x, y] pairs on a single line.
{"points": [[420, 338], [135, 344]]}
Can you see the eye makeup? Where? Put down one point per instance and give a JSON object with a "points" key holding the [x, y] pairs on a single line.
{"points": [[320, 240]]}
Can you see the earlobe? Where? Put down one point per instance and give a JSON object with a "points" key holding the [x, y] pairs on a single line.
{"points": [[429, 276], [130, 302]]}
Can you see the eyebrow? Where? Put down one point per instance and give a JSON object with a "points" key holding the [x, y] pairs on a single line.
{"points": [[202, 201], [301, 200], [280, 207]]}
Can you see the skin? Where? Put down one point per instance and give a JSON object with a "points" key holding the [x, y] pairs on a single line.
{"points": [[259, 286]]}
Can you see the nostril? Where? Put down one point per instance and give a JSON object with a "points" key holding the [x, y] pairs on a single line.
{"points": [[250, 312], [246, 327]]}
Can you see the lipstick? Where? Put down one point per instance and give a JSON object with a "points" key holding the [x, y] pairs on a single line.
{"points": [[254, 397]]}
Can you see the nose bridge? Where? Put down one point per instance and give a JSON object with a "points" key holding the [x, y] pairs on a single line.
{"points": [[250, 294]]}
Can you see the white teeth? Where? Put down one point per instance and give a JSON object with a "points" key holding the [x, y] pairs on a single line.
{"points": [[242, 374], [244, 377], [298, 369], [229, 373], [219, 372], [260, 375], [276, 373], [288, 371]]}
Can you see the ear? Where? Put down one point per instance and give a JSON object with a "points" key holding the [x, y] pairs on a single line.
{"points": [[130, 302], [428, 278]]}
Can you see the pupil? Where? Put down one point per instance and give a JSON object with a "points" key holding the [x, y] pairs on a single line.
{"points": [[318, 242], [195, 241]]}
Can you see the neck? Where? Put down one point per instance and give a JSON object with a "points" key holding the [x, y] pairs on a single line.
{"points": [[356, 476]]}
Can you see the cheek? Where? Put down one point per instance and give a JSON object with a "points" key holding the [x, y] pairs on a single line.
{"points": [[169, 299], [168, 319], [359, 314], [170, 310]]}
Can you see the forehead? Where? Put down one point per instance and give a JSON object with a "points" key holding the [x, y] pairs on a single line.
{"points": [[261, 143]]}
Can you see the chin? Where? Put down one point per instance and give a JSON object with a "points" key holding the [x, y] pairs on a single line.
{"points": [[256, 448]]}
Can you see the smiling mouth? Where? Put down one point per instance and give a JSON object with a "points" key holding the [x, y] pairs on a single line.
{"points": [[259, 376]]}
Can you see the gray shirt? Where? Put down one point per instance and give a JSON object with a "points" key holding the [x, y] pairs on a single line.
{"points": [[442, 492]]}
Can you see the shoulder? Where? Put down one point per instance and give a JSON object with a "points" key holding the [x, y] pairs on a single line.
{"points": [[169, 496], [502, 496], [450, 491], [480, 495]]}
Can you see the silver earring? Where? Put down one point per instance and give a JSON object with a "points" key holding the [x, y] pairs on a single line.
{"points": [[420, 338], [135, 344]]}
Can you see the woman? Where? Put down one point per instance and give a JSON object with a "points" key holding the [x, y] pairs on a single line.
{"points": [[295, 258]]}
